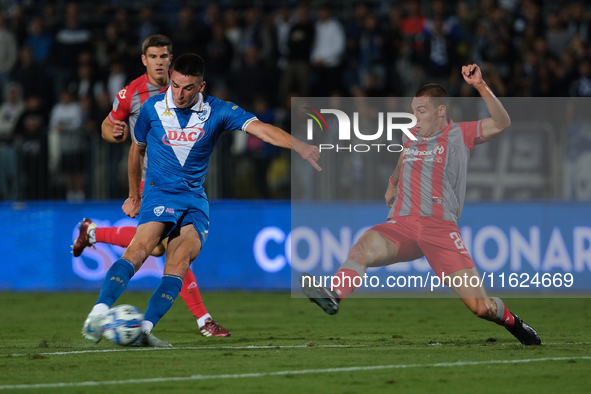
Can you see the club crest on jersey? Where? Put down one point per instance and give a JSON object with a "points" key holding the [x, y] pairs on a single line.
{"points": [[203, 115], [158, 210], [182, 137]]}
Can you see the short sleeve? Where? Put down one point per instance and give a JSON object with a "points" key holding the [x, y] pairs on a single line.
{"points": [[235, 118], [472, 133], [121, 106]]}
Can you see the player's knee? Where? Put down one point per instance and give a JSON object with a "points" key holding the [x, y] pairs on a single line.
{"points": [[360, 254]]}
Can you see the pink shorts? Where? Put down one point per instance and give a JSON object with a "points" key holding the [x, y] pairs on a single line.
{"points": [[438, 240]]}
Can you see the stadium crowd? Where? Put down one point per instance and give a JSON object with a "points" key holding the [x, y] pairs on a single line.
{"points": [[62, 64]]}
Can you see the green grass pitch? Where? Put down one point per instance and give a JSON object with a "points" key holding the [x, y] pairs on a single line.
{"points": [[285, 345]]}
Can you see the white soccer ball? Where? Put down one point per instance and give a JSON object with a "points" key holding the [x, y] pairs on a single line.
{"points": [[123, 324]]}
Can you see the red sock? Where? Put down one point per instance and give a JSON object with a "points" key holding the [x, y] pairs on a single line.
{"points": [[508, 319], [344, 282], [191, 296], [120, 236]]}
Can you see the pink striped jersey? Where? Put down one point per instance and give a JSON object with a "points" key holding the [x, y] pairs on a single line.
{"points": [[433, 174], [129, 101]]}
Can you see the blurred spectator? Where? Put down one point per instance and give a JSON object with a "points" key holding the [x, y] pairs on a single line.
{"points": [[218, 55], [556, 34], [283, 23], [86, 83], [251, 80], [116, 80], [579, 24], [148, 25], [8, 52], [393, 43], [327, 53], [39, 40], [233, 34], [581, 87], [372, 73], [296, 76], [413, 24], [31, 136], [10, 111], [30, 76], [65, 124], [186, 33], [256, 34], [17, 23], [260, 152], [110, 47], [70, 42]]}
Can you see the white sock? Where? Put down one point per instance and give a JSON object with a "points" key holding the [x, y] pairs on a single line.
{"points": [[91, 236], [202, 319], [99, 309], [147, 325]]}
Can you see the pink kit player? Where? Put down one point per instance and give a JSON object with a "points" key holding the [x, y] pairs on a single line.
{"points": [[426, 195]]}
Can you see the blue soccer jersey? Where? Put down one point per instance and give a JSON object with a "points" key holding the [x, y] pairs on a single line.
{"points": [[179, 144], [180, 141]]}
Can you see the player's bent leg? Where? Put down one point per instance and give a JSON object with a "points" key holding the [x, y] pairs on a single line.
{"points": [[183, 247], [372, 250], [192, 297], [490, 308], [146, 238], [118, 276]]}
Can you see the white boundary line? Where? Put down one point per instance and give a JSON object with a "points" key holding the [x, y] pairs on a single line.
{"points": [[147, 349], [283, 373], [263, 347]]}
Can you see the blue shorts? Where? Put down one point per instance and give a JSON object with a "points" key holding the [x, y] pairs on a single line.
{"points": [[158, 206]]}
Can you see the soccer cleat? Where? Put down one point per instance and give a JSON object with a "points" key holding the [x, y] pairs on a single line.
{"points": [[524, 332], [147, 339], [325, 298], [211, 328], [85, 238], [92, 330]]}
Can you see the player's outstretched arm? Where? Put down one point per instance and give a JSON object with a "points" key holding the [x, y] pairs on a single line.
{"points": [[114, 132], [499, 119], [278, 137]]}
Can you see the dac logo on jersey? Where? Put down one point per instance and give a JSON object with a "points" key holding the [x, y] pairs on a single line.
{"points": [[183, 137], [122, 93], [158, 210]]}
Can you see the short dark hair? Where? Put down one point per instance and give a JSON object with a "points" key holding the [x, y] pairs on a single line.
{"points": [[437, 94], [189, 64], [157, 41]]}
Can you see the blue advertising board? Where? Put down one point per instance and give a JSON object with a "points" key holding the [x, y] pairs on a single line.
{"points": [[261, 245]]}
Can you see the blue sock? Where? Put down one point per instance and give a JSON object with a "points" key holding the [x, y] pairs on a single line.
{"points": [[116, 281], [163, 297]]}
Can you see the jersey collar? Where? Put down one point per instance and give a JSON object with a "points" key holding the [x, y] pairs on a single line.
{"points": [[169, 101]]}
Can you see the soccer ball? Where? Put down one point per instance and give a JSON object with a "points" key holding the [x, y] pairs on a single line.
{"points": [[123, 324]]}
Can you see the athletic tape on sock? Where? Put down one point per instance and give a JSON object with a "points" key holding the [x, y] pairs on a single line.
{"points": [[352, 265], [500, 309]]}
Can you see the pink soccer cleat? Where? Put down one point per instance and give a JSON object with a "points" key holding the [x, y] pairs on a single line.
{"points": [[211, 328]]}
